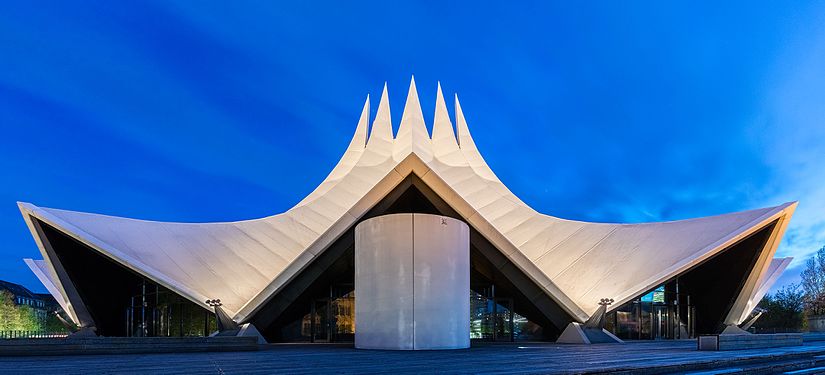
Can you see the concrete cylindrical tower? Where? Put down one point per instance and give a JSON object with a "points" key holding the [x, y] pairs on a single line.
{"points": [[412, 283]]}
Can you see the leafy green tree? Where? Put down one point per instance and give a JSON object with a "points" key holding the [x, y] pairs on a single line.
{"points": [[785, 310], [14, 317], [813, 283], [53, 325], [8, 311]]}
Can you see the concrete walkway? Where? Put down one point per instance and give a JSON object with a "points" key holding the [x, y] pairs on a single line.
{"points": [[634, 357]]}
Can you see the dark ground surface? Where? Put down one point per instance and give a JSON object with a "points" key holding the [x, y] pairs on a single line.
{"points": [[633, 357]]}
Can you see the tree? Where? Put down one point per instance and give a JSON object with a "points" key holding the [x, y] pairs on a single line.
{"points": [[51, 324], [8, 310], [785, 310], [813, 283], [16, 318]]}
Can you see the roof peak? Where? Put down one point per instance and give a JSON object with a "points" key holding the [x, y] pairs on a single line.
{"points": [[412, 119]]}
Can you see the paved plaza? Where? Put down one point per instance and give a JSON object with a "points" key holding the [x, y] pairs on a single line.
{"points": [[509, 358]]}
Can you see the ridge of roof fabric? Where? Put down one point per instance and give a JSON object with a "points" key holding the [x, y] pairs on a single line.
{"points": [[244, 263], [41, 269], [766, 282]]}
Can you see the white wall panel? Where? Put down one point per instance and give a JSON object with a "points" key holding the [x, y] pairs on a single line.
{"points": [[412, 282], [384, 283], [442, 282]]}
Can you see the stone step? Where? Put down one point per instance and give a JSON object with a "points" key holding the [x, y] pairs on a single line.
{"points": [[124, 345]]}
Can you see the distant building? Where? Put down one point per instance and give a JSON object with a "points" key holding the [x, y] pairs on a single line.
{"points": [[42, 303]]}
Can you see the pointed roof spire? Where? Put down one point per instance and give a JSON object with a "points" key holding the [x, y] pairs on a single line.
{"points": [[464, 138], [350, 158], [468, 146], [412, 133], [359, 139], [380, 139], [444, 139]]}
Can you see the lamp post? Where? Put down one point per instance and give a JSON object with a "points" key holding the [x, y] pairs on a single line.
{"points": [[604, 302], [224, 322], [597, 319], [215, 304]]}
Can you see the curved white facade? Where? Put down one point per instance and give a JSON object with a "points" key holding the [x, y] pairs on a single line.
{"points": [[412, 278], [246, 263]]}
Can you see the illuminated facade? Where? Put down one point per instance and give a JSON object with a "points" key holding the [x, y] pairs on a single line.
{"points": [[292, 274]]}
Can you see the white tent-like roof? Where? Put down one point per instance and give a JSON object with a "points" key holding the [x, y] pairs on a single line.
{"points": [[245, 263], [775, 269]]}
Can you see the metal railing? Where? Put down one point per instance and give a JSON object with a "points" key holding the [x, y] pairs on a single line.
{"points": [[31, 334]]}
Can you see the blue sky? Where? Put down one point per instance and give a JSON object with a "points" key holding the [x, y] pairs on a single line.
{"points": [[607, 111]]}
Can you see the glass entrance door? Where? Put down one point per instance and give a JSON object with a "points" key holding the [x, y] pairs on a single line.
{"points": [[493, 319], [320, 320], [342, 318], [503, 319], [660, 322]]}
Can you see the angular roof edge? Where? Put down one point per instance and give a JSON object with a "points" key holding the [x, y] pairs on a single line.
{"points": [[245, 263]]}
